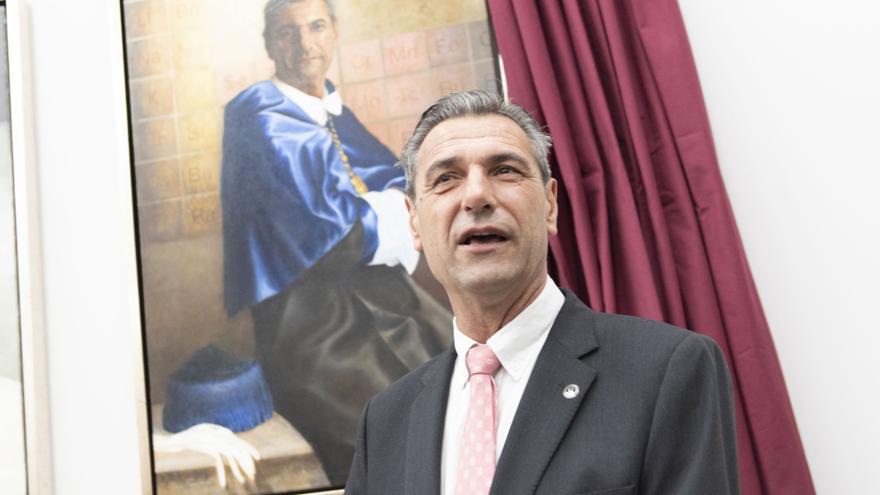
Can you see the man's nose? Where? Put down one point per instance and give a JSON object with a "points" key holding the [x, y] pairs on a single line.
{"points": [[300, 40], [478, 195]]}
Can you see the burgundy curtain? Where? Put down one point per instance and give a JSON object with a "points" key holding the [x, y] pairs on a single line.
{"points": [[645, 224]]}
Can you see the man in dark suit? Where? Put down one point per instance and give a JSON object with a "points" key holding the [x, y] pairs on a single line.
{"points": [[538, 395]]}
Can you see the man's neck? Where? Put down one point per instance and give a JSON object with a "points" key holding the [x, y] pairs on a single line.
{"points": [[313, 88], [479, 316]]}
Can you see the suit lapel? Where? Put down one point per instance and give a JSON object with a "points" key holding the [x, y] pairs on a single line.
{"points": [[426, 421], [544, 413]]}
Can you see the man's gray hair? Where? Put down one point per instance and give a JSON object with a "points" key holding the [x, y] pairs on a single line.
{"points": [[270, 11], [474, 103]]}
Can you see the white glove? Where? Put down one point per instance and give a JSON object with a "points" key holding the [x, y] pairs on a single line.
{"points": [[216, 441], [395, 243]]}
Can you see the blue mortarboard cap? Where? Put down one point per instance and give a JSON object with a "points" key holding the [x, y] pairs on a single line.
{"points": [[214, 386]]}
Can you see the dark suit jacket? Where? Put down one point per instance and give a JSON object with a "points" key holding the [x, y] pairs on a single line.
{"points": [[654, 416]]}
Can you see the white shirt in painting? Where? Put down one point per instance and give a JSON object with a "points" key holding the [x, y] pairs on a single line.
{"points": [[316, 108]]}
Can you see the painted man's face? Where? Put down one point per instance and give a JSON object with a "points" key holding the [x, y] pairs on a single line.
{"points": [[482, 212], [301, 42]]}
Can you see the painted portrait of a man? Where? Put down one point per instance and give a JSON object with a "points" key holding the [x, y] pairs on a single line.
{"points": [[280, 286]]}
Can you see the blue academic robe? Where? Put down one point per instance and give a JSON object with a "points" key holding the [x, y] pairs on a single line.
{"points": [[286, 195]]}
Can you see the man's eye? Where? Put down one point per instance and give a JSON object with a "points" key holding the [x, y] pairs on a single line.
{"points": [[505, 169], [442, 178]]}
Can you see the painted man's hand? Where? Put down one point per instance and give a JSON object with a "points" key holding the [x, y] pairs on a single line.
{"points": [[220, 443]]}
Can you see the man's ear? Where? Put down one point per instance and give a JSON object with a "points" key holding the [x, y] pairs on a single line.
{"points": [[553, 207], [413, 223]]}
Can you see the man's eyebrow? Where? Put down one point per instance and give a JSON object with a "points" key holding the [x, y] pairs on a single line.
{"points": [[441, 164], [447, 163], [508, 157]]}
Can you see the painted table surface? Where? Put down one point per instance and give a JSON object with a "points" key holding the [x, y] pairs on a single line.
{"points": [[287, 463]]}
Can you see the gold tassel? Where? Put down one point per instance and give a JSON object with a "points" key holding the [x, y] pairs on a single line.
{"points": [[356, 181]]}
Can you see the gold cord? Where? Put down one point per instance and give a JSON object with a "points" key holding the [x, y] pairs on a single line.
{"points": [[356, 181]]}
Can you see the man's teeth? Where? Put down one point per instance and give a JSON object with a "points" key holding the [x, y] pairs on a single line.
{"points": [[483, 238]]}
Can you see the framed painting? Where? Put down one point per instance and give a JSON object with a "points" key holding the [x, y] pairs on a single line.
{"points": [[279, 286]]}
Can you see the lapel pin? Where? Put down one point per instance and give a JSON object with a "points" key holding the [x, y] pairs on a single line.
{"points": [[571, 391]]}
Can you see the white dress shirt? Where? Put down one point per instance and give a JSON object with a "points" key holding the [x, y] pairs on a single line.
{"points": [[316, 108], [517, 346], [392, 224]]}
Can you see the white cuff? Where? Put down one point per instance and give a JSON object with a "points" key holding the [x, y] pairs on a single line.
{"points": [[395, 243]]}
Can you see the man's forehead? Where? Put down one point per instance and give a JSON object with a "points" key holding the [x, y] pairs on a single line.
{"points": [[300, 12], [460, 135]]}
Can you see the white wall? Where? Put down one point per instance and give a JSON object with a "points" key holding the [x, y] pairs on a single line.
{"points": [[793, 92]]}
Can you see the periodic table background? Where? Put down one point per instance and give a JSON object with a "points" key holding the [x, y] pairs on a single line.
{"points": [[186, 59]]}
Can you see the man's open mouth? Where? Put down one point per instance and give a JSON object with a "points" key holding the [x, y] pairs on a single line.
{"points": [[483, 238]]}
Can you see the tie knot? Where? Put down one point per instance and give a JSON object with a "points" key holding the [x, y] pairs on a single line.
{"points": [[481, 360]]}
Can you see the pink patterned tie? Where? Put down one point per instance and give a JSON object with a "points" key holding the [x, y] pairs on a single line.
{"points": [[476, 461]]}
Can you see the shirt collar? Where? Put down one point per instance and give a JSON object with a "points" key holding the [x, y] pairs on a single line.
{"points": [[517, 343], [316, 108]]}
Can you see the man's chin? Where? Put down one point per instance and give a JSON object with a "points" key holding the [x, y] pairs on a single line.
{"points": [[308, 69], [302, 71], [486, 280]]}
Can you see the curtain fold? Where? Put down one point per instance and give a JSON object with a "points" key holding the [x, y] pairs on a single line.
{"points": [[646, 227]]}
